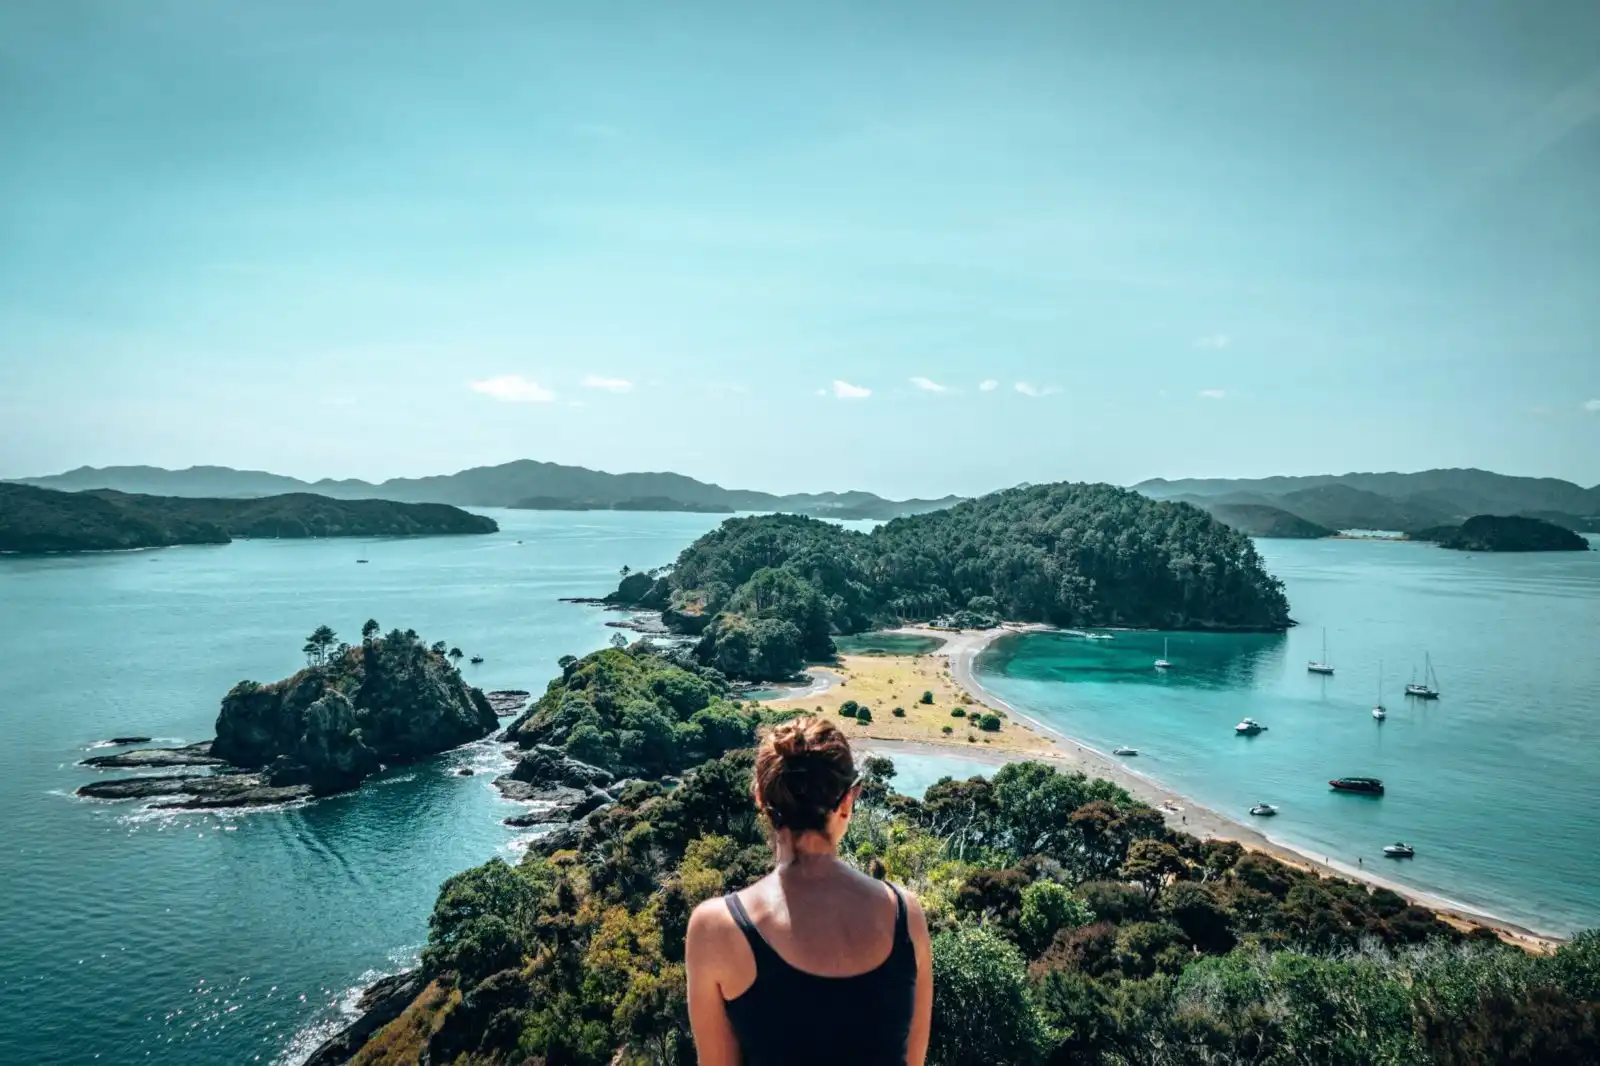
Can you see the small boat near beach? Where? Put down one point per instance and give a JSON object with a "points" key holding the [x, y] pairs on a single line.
{"points": [[1400, 850], [1249, 728], [1368, 785], [475, 660], [1124, 751], [1263, 810], [1162, 663]]}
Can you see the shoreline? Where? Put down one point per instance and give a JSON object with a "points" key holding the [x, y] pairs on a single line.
{"points": [[1182, 812]]}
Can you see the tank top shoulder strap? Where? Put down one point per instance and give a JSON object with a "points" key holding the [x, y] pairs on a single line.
{"points": [[741, 918]]}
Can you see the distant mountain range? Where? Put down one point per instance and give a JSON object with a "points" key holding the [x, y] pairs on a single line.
{"points": [[524, 483], [1399, 502]]}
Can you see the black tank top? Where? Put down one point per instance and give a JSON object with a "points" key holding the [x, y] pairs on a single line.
{"points": [[788, 1017]]}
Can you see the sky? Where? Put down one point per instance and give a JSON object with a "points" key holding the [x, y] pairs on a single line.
{"points": [[914, 248]]}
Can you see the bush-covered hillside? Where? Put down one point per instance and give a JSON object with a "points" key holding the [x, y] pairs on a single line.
{"points": [[44, 520], [633, 711], [766, 592], [1504, 533], [1070, 927]]}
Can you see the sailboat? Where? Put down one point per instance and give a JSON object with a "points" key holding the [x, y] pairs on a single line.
{"points": [[1161, 663], [1378, 711], [1429, 689], [1322, 665]]}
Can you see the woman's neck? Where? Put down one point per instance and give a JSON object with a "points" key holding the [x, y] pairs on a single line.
{"points": [[806, 849]]}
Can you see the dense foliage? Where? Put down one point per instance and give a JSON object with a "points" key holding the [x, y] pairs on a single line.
{"points": [[766, 592], [1504, 533], [351, 710], [1070, 926], [43, 520], [636, 711], [1259, 520]]}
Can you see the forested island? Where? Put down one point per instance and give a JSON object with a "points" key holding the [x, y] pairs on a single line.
{"points": [[353, 709], [1070, 924], [766, 593], [1260, 520], [1503, 533], [45, 520]]}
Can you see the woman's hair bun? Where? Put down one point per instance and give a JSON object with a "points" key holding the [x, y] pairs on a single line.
{"points": [[804, 768]]}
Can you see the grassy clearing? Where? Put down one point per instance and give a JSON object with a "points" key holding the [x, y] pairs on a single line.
{"points": [[883, 682]]}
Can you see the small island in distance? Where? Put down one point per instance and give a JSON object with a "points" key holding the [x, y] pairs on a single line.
{"points": [[1503, 533], [34, 520]]}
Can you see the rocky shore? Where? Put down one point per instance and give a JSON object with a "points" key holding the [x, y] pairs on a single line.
{"points": [[557, 787], [324, 730], [380, 1004]]}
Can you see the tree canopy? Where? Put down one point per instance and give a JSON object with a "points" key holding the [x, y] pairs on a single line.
{"points": [[766, 593]]}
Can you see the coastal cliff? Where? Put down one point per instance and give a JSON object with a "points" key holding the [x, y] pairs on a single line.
{"points": [[323, 730], [44, 520], [389, 699]]}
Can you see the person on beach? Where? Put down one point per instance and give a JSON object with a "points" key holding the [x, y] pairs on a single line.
{"points": [[816, 962]]}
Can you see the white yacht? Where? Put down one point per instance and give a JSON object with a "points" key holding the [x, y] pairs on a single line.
{"points": [[1399, 850], [1263, 810], [1124, 751], [1429, 689], [1322, 665], [1161, 663], [1249, 728]]}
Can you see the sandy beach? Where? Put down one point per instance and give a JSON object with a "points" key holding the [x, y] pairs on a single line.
{"points": [[961, 650]]}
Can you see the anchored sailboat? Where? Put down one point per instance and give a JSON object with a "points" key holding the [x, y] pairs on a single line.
{"points": [[1429, 688], [1322, 666], [1161, 663], [1378, 710]]}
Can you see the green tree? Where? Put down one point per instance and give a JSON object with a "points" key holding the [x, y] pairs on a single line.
{"points": [[982, 1013], [927, 697], [369, 630], [1150, 863], [319, 644], [619, 641], [1047, 908]]}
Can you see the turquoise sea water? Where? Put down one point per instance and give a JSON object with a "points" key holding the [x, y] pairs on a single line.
{"points": [[215, 939], [1496, 784]]}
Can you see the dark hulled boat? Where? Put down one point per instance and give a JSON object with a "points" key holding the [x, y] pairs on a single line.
{"points": [[1370, 785]]}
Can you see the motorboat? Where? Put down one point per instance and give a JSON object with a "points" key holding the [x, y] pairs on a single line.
{"points": [[1369, 785], [1249, 728], [1162, 663], [1124, 751], [1379, 713], [1399, 850], [475, 660], [1322, 665], [360, 560], [1263, 810]]}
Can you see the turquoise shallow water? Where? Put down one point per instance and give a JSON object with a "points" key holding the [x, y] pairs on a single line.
{"points": [[1496, 784], [215, 940]]}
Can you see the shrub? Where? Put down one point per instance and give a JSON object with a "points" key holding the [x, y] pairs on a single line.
{"points": [[899, 712], [959, 712], [850, 708], [989, 723], [927, 697], [864, 715], [971, 739], [947, 729], [982, 1015]]}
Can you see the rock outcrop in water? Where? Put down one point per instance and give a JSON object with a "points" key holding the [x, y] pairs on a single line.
{"points": [[390, 699]]}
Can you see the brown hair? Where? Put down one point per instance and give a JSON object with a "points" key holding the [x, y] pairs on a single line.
{"points": [[803, 771]]}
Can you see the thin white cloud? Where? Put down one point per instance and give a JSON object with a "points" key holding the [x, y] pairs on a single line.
{"points": [[988, 385], [846, 391], [513, 388], [1591, 405], [929, 385], [1213, 341], [1213, 394], [1028, 388], [595, 381]]}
